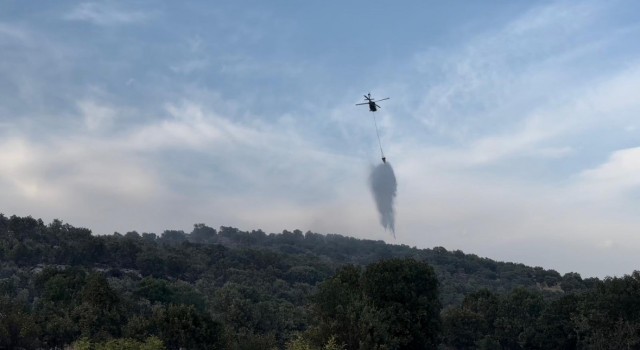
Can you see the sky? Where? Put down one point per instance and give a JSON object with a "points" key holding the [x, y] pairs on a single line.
{"points": [[512, 126]]}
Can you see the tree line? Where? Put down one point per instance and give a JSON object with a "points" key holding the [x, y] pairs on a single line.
{"points": [[61, 286]]}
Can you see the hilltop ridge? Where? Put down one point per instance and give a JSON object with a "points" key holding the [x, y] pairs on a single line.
{"points": [[241, 287]]}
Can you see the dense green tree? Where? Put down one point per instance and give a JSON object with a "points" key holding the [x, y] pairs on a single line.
{"points": [[471, 325], [484, 303], [173, 237], [404, 295], [338, 308], [151, 343], [155, 290], [392, 305], [151, 262], [609, 315], [462, 328], [203, 234], [100, 313], [57, 325], [18, 328], [516, 319], [181, 326], [571, 281], [555, 327]]}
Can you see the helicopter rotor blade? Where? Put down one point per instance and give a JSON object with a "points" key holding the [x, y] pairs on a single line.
{"points": [[386, 98], [378, 106], [364, 103]]}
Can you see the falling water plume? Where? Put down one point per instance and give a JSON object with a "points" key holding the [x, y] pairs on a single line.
{"points": [[383, 187]]}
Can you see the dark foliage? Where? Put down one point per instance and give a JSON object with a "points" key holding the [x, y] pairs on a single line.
{"points": [[392, 304], [231, 289]]}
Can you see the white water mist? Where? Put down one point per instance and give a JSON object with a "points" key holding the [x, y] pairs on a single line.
{"points": [[383, 187]]}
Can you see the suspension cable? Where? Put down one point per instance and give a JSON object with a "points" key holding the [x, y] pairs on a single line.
{"points": [[378, 133]]}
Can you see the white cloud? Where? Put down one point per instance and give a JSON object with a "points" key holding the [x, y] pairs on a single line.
{"points": [[13, 32], [105, 14], [617, 176], [501, 77], [555, 19], [190, 126], [64, 169], [520, 91], [96, 115], [190, 66], [18, 170]]}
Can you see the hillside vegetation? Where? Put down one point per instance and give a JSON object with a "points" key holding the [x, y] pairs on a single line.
{"points": [[230, 289]]}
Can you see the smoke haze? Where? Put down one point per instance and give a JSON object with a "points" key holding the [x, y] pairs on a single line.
{"points": [[383, 187]]}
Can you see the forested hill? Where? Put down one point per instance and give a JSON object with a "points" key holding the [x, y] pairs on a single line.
{"points": [[309, 257], [225, 288], [458, 273]]}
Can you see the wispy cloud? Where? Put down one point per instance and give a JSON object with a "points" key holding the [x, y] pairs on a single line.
{"points": [[105, 14], [618, 176], [96, 116], [13, 32], [190, 66], [499, 77]]}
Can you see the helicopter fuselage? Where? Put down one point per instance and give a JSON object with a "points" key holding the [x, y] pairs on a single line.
{"points": [[372, 106]]}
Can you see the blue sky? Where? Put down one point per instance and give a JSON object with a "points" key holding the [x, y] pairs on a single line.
{"points": [[512, 126]]}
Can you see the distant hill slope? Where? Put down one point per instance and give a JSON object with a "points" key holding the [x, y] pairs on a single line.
{"points": [[61, 287], [295, 257], [459, 273]]}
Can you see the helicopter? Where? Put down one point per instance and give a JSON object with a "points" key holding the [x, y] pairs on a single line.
{"points": [[373, 106]]}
